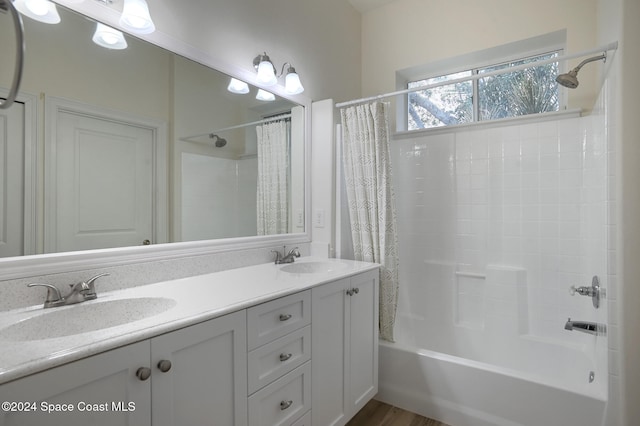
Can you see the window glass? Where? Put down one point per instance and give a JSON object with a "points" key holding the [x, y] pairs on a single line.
{"points": [[528, 91], [442, 105]]}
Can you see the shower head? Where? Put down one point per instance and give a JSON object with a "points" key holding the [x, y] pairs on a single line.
{"points": [[570, 79], [219, 142]]}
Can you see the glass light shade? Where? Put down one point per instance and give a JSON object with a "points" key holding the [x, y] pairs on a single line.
{"points": [[39, 10], [266, 74], [237, 86], [292, 84], [263, 95], [108, 37], [136, 18]]}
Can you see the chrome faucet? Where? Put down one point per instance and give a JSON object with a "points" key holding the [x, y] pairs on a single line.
{"points": [[586, 327], [79, 292], [288, 258]]}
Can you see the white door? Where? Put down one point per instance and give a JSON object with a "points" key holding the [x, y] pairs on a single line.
{"points": [[102, 183], [12, 144]]}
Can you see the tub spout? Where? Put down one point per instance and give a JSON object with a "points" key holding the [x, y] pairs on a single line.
{"points": [[586, 327]]}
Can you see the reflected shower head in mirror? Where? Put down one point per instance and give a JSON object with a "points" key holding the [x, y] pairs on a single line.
{"points": [[570, 79], [219, 142]]}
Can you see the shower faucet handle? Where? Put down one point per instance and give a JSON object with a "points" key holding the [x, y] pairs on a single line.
{"points": [[594, 291]]}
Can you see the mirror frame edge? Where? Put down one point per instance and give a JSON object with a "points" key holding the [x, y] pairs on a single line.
{"points": [[51, 263]]}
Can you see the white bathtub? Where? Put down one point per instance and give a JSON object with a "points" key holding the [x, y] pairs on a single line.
{"points": [[462, 392]]}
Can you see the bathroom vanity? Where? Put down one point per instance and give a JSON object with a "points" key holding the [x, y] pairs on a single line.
{"points": [[263, 345]]}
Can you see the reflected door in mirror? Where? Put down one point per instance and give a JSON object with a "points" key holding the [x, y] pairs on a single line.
{"points": [[104, 183]]}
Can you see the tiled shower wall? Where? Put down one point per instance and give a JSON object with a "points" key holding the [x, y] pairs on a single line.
{"points": [[518, 212]]}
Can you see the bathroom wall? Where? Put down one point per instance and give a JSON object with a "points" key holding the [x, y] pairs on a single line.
{"points": [[406, 33]]}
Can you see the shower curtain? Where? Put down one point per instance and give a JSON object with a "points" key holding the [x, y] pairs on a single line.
{"points": [[367, 170], [273, 178]]}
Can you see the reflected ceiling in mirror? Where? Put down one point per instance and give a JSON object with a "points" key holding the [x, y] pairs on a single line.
{"points": [[115, 118]]}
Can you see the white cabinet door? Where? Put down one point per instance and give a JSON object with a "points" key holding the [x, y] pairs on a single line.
{"points": [[344, 347], [363, 362], [329, 347], [207, 381], [101, 390]]}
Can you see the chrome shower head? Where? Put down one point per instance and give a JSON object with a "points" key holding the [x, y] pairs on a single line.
{"points": [[219, 142], [570, 79]]}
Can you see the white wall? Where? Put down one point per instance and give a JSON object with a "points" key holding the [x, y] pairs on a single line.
{"points": [[321, 39], [408, 33]]}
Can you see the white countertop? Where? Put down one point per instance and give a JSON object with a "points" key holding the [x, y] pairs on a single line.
{"points": [[197, 299]]}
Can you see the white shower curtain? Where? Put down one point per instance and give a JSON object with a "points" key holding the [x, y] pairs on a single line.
{"points": [[273, 178], [367, 170]]}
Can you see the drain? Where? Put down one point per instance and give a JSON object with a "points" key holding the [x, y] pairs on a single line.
{"points": [[592, 376]]}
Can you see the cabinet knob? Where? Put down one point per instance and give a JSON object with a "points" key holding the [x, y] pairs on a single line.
{"points": [[164, 365], [285, 357], [285, 404], [349, 292], [356, 290], [143, 373], [285, 317]]}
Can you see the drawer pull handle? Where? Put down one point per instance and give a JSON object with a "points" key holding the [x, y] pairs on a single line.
{"points": [[285, 317], [285, 404], [164, 365], [285, 357], [143, 373]]}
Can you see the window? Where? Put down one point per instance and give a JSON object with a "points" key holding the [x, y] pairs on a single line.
{"points": [[529, 91]]}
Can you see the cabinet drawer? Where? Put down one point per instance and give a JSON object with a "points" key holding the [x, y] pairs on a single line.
{"points": [[274, 319], [282, 402], [276, 358], [304, 420]]}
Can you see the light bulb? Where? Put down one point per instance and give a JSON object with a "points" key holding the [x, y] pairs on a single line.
{"points": [[263, 95], [39, 10], [37, 7], [292, 83], [136, 18], [237, 86], [266, 74], [108, 37]]}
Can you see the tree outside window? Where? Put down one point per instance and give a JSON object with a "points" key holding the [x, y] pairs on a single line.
{"points": [[512, 94]]}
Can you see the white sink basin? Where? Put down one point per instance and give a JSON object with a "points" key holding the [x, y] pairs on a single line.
{"points": [[85, 317], [313, 267]]}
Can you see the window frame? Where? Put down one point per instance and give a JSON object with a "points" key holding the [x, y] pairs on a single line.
{"points": [[515, 51]]}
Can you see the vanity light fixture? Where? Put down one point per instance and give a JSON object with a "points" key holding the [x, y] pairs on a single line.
{"points": [[109, 37], [39, 10], [238, 86], [267, 74], [292, 83], [136, 18], [263, 95]]}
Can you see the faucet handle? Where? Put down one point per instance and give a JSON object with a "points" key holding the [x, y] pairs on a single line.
{"points": [[278, 255], [90, 288], [294, 252], [54, 297]]}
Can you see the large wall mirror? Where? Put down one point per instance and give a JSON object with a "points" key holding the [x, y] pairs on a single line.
{"points": [[139, 146]]}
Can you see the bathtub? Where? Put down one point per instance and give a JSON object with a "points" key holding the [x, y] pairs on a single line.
{"points": [[464, 392]]}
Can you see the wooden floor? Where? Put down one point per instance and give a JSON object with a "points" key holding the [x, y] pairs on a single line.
{"points": [[377, 413]]}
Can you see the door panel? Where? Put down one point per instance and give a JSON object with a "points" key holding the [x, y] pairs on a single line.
{"points": [[103, 192]]}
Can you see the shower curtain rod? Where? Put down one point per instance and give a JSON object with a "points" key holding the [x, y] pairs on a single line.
{"points": [[238, 126], [610, 46]]}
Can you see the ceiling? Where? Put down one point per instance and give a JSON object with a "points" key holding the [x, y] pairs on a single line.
{"points": [[365, 5]]}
